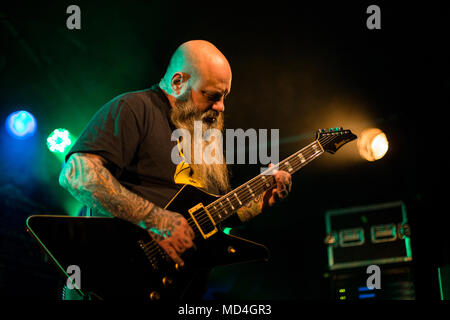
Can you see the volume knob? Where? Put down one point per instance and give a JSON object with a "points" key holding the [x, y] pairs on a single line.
{"points": [[231, 249], [167, 281], [179, 267], [154, 295]]}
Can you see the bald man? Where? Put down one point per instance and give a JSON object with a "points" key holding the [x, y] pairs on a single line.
{"points": [[121, 164]]}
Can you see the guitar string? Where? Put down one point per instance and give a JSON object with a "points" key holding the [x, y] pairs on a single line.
{"points": [[261, 182], [259, 187], [293, 159], [229, 209], [154, 248]]}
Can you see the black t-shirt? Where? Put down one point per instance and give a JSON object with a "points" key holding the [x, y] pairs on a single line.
{"points": [[133, 132]]}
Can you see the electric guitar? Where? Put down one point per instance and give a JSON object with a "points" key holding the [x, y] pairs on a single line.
{"points": [[118, 259]]}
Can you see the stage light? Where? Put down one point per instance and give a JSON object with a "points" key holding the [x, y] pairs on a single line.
{"points": [[59, 140], [21, 124], [372, 144]]}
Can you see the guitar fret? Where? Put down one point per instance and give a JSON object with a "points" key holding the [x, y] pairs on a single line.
{"points": [[223, 207], [320, 146], [314, 146], [301, 157], [251, 191], [232, 207], [289, 167], [265, 181], [240, 203], [218, 212]]}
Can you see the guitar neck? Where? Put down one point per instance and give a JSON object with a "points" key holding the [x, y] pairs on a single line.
{"points": [[227, 205]]}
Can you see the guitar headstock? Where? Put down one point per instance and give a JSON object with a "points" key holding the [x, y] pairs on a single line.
{"points": [[333, 139]]}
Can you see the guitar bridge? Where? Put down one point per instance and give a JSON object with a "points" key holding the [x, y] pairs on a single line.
{"points": [[153, 252], [207, 227]]}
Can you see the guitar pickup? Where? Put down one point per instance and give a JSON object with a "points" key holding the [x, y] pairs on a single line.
{"points": [[203, 220], [383, 233], [351, 237]]}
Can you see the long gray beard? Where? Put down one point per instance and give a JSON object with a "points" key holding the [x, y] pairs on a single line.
{"points": [[213, 176]]}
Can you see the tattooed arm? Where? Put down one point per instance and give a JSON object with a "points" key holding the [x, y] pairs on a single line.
{"points": [[90, 182]]}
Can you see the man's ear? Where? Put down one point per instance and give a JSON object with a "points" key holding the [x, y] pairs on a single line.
{"points": [[178, 83]]}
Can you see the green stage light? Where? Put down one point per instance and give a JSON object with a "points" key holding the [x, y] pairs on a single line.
{"points": [[59, 140]]}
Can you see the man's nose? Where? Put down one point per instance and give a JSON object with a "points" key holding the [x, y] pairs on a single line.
{"points": [[218, 106]]}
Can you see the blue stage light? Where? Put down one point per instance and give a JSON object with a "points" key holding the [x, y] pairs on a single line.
{"points": [[21, 124]]}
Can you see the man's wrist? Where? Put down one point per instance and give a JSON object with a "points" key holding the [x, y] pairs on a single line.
{"points": [[150, 218], [251, 209]]}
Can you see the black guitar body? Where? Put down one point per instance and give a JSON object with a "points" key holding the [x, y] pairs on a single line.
{"points": [[118, 259], [220, 248]]}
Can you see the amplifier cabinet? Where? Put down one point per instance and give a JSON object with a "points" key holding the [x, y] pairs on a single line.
{"points": [[396, 283], [366, 235]]}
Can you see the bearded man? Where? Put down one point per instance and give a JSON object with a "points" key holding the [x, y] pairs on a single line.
{"points": [[121, 165]]}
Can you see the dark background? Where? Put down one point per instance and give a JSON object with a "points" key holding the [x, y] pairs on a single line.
{"points": [[296, 67]]}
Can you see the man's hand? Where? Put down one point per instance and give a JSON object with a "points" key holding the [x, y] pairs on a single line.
{"points": [[269, 198], [171, 231], [280, 191]]}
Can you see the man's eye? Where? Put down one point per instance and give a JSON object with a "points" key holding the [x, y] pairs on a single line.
{"points": [[214, 98]]}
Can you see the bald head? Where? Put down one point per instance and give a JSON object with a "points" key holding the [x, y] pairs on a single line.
{"points": [[198, 66]]}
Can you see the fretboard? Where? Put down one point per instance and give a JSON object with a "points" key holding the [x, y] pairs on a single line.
{"points": [[227, 205]]}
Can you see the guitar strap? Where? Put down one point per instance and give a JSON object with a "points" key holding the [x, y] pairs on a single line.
{"points": [[184, 173]]}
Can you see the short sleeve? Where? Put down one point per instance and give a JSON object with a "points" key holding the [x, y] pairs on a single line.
{"points": [[114, 133]]}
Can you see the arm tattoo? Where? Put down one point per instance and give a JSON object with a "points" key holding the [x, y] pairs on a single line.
{"points": [[251, 209], [87, 179], [161, 222]]}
